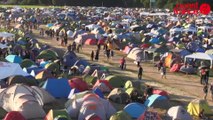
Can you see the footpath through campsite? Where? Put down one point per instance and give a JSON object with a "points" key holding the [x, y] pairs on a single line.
{"points": [[181, 88]]}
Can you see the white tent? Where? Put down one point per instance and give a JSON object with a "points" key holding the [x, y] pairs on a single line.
{"points": [[2, 46], [200, 56], [6, 35], [179, 113], [10, 69]]}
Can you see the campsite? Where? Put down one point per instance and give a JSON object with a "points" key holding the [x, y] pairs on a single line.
{"points": [[82, 63]]}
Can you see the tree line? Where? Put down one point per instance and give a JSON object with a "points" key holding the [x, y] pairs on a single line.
{"points": [[108, 3]]}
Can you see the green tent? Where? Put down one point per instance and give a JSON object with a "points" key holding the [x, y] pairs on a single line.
{"points": [[116, 81], [2, 113], [52, 114], [90, 79], [27, 63], [131, 84], [130, 90], [121, 115], [54, 67], [47, 54], [3, 59]]}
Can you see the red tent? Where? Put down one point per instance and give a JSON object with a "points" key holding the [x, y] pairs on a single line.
{"points": [[145, 46], [14, 115], [79, 84], [127, 49], [90, 42], [160, 92], [106, 82], [101, 41], [175, 68]]}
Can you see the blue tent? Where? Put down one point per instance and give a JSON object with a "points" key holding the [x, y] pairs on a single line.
{"points": [[81, 62], [14, 59], [135, 110], [58, 88], [69, 59], [154, 41], [44, 63], [157, 101], [98, 92]]}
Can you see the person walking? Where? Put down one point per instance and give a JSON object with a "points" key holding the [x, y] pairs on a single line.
{"points": [[202, 75], [97, 55], [205, 90], [163, 72], [122, 63], [140, 72], [211, 90], [92, 55]]}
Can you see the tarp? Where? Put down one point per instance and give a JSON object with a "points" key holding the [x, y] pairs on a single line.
{"points": [[135, 109], [10, 69], [58, 88]]}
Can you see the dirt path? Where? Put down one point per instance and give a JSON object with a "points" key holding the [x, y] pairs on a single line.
{"points": [[181, 87]]}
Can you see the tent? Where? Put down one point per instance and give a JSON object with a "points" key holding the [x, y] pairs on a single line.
{"points": [[178, 112], [127, 49], [175, 68], [98, 92], [90, 42], [147, 115], [14, 59], [43, 75], [21, 80], [23, 98], [116, 81], [3, 46], [160, 92], [157, 101], [188, 69], [10, 69], [78, 83], [118, 95], [52, 114], [14, 115], [84, 104], [58, 88], [200, 56], [195, 106], [135, 52], [132, 84], [103, 85], [6, 35], [27, 63], [120, 115], [135, 109], [69, 59], [73, 92]]}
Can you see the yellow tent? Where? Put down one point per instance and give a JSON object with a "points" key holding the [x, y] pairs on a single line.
{"points": [[196, 106]]}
